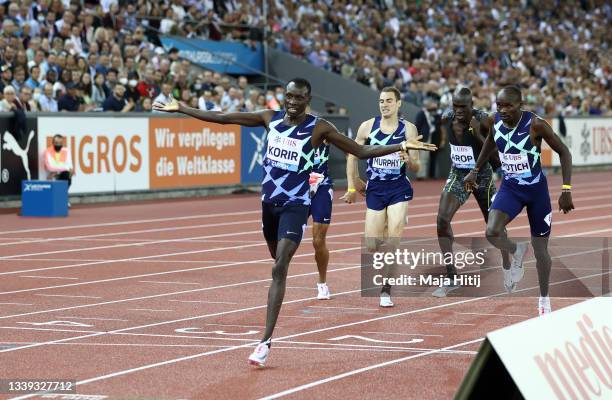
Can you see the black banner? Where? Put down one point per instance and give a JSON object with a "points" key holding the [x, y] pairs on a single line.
{"points": [[18, 153]]}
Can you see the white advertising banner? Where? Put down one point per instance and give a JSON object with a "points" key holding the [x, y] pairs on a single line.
{"points": [[108, 154], [589, 140], [563, 355]]}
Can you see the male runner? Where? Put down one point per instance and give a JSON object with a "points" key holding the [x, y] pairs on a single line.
{"points": [[322, 192], [462, 127], [293, 135], [517, 134], [388, 189]]}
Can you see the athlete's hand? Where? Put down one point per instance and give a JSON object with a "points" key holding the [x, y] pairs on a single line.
{"points": [[349, 197], [415, 144], [565, 202], [172, 106], [360, 186], [469, 182]]}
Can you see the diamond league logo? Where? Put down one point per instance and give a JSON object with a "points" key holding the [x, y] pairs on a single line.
{"points": [[585, 147], [10, 143], [258, 153]]}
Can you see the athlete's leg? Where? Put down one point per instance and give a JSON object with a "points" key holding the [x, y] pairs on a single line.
{"points": [[321, 210], [319, 234], [539, 212], [484, 200], [285, 251], [375, 222], [496, 231], [272, 244], [543, 262], [291, 225], [449, 204]]}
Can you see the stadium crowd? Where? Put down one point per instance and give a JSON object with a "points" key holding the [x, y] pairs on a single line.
{"points": [[558, 51], [106, 55]]}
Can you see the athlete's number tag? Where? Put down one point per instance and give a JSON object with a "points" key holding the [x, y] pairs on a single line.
{"points": [[284, 152], [515, 164], [390, 162], [462, 157]]}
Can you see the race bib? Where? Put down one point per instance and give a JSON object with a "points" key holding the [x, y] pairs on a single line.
{"points": [[463, 157], [390, 162], [283, 152], [515, 164]]}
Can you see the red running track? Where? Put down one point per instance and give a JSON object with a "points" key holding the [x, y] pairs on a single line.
{"points": [[167, 299]]}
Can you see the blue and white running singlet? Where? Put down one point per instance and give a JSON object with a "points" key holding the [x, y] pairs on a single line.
{"points": [[389, 167], [288, 161]]}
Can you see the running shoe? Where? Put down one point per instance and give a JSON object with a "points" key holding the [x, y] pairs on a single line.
{"points": [[259, 356], [444, 290], [516, 265], [385, 300], [323, 291], [509, 284], [544, 305]]}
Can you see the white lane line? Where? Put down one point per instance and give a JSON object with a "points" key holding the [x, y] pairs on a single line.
{"points": [[501, 315], [234, 234], [276, 346], [96, 319], [580, 188], [570, 221], [48, 277], [16, 304], [171, 283], [346, 308], [364, 369], [193, 356], [22, 328], [382, 346], [154, 296], [403, 334], [69, 295], [204, 301]]}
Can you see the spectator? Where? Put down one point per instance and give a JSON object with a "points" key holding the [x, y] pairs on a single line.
{"points": [[46, 100], [144, 105], [69, 101], [25, 97], [164, 96], [428, 123], [12, 103], [32, 81], [99, 91], [117, 101], [58, 162]]}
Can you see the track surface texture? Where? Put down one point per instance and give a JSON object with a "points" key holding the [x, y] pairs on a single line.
{"points": [[166, 300]]}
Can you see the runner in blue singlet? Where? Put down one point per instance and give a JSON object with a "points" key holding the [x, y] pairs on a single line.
{"points": [[517, 135], [388, 190], [293, 135]]}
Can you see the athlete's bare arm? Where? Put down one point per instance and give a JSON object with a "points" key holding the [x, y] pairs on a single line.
{"points": [[481, 129], [488, 148], [540, 129], [326, 131], [257, 118], [352, 170], [412, 157]]}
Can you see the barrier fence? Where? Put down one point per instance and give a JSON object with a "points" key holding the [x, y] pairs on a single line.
{"points": [[120, 153]]}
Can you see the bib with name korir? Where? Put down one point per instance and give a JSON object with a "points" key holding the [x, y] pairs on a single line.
{"points": [[288, 161]]}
